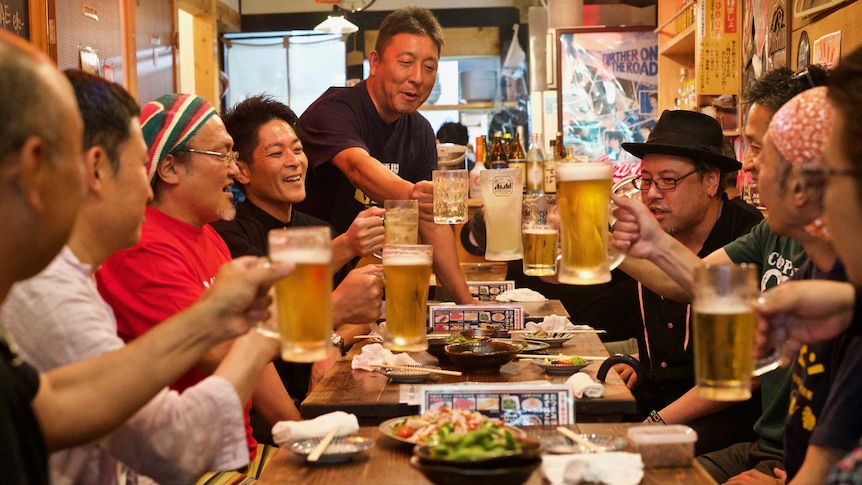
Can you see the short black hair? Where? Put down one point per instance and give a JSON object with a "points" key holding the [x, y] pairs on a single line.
{"points": [[409, 20], [107, 110], [451, 132], [778, 86]]}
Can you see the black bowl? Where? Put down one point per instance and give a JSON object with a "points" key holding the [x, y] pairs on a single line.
{"points": [[482, 357], [437, 346], [451, 475], [484, 333]]}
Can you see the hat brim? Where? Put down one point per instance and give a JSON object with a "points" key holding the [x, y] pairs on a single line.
{"points": [[722, 163]]}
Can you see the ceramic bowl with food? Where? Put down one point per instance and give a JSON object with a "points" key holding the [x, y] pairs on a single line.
{"points": [[482, 357]]}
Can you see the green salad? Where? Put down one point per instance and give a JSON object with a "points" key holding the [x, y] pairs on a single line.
{"points": [[489, 440]]}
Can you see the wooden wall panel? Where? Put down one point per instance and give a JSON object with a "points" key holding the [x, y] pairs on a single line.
{"points": [[154, 49], [75, 31], [847, 19]]}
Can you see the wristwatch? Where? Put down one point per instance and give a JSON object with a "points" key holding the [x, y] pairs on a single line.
{"points": [[338, 342]]}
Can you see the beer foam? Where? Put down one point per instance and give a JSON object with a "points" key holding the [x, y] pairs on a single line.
{"points": [[314, 256], [406, 259], [531, 230], [722, 307], [583, 171]]}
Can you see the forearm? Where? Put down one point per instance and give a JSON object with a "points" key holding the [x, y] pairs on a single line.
{"points": [[249, 357], [342, 252], [271, 400], [372, 177], [349, 331], [669, 271], [690, 406], [447, 268], [82, 401], [816, 465]]}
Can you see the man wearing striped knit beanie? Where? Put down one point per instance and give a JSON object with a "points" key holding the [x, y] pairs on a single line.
{"points": [[191, 168]]}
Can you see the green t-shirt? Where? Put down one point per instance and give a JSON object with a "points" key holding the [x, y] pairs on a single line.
{"points": [[778, 258]]}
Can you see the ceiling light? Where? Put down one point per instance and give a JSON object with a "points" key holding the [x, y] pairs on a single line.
{"points": [[336, 25]]}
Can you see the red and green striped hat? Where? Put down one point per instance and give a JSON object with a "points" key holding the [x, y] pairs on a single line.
{"points": [[169, 122]]}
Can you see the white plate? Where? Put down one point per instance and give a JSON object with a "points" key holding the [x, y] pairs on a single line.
{"points": [[604, 442], [559, 368], [553, 339], [341, 449]]}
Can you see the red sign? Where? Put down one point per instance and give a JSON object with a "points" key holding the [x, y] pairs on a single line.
{"points": [[730, 16]]}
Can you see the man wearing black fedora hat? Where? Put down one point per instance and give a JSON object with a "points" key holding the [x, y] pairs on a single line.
{"points": [[682, 185], [768, 245]]}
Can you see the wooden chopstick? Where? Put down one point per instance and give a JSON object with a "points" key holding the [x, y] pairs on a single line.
{"points": [[579, 440], [422, 369], [549, 356], [322, 446], [557, 331]]}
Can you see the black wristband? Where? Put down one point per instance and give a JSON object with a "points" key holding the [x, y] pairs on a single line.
{"points": [[654, 417]]}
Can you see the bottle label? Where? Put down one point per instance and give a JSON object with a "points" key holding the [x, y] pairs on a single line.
{"points": [[550, 178], [535, 176]]}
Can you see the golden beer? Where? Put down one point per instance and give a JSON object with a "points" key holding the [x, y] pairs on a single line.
{"points": [[406, 272], [540, 251], [304, 297], [723, 362], [583, 197]]}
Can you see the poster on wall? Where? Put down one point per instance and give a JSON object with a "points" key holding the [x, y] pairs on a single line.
{"points": [[827, 50], [608, 92], [15, 17]]}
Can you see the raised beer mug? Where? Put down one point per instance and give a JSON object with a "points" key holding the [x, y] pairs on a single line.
{"points": [[585, 206], [303, 298]]}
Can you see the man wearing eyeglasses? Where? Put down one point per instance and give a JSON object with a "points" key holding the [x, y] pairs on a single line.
{"points": [[682, 186], [778, 246], [191, 169]]}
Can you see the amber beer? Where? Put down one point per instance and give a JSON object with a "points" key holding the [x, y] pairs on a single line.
{"points": [[724, 327], [723, 362], [583, 196], [406, 272], [540, 251], [303, 298]]}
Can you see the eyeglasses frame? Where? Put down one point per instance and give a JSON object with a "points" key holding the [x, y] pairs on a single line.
{"points": [[638, 182]]}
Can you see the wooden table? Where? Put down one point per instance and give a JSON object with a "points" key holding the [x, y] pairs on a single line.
{"points": [[388, 463], [374, 399]]}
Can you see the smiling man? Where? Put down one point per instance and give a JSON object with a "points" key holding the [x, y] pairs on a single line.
{"points": [[367, 143], [191, 169]]}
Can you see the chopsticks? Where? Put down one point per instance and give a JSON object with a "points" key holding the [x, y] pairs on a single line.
{"points": [[423, 369], [579, 439], [549, 356], [322, 446], [592, 330]]}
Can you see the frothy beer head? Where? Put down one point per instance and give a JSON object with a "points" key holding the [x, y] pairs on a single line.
{"points": [[583, 171], [302, 255], [407, 255], [721, 306]]}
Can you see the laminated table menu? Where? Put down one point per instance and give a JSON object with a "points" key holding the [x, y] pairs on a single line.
{"points": [[443, 318], [517, 404]]}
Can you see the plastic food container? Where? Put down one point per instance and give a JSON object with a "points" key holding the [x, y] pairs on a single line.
{"points": [[663, 446]]}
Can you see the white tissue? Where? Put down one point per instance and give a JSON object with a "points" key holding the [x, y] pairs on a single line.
{"points": [[288, 431], [555, 323], [618, 468], [584, 385], [375, 354], [520, 294]]}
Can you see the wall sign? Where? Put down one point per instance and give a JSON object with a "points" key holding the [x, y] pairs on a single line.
{"points": [[15, 17]]}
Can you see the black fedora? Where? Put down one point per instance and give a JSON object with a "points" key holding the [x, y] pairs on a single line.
{"points": [[687, 134]]}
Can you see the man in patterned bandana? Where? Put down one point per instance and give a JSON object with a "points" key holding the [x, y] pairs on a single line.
{"points": [[191, 169]]}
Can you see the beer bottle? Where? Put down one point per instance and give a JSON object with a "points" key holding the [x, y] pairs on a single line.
{"points": [[498, 153], [475, 181], [561, 147], [507, 145], [518, 159], [536, 166]]}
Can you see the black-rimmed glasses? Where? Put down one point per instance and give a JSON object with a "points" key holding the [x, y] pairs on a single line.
{"points": [[229, 157], [661, 183]]}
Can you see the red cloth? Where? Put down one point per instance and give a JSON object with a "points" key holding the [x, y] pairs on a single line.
{"points": [[165, 273]]}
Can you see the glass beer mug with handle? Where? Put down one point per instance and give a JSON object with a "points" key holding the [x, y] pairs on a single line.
{"points": [[585, 206], [303, 298], [724, 330]]}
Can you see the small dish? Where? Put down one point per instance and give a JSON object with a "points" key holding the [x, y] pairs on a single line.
{"points": [[553, 339], [560, 369], [340, 450], [526, 345], [416, 373], [482, 357], [605, 442]]}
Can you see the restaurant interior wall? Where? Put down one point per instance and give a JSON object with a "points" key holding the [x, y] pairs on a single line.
{"points": [[97, 31]]}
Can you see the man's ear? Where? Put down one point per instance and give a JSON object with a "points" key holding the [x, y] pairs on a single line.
{"points": [[33, 170], [168, 169], [243, 176], [97, 168], [712, 179]]}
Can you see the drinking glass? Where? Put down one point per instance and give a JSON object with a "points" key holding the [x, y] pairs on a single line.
{"points": [[584, 201], [540, 233], [406, 275], [450, 196], [724, 329], [401, 221], [303, 298], [502, 196]]}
